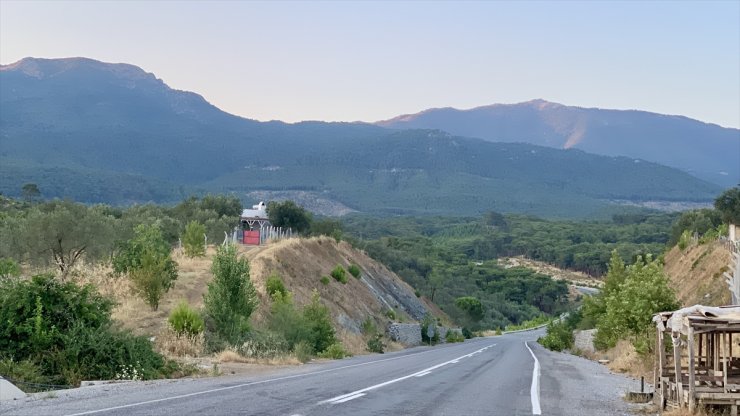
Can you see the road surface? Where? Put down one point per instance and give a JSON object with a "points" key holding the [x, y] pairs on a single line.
{"points": [[505, 375]]}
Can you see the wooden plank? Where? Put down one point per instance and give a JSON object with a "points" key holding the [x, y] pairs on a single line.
{"points": [[692, 381]]}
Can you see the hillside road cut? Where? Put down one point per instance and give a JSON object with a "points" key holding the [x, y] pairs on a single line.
{"points": [[504, 375]]}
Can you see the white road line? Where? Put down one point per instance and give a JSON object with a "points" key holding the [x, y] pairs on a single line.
{"points": [[534, 392], [346, 399], [396, 380], [423, 374], [199, 393]]}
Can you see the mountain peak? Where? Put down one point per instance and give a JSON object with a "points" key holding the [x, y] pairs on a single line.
{"points": [[43, 68]]}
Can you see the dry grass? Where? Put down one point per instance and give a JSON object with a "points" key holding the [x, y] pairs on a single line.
{"points": [[624, 359], [232, 356], [695, 274], [686, 412], [169, 343]]}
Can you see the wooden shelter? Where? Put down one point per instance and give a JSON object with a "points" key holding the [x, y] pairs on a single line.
{"points": [[695, 361]]}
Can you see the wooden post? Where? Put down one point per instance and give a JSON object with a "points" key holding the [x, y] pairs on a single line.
{"points": [[715, 350], [692, 380], [660, 384], [724, 361], [677, 369]]}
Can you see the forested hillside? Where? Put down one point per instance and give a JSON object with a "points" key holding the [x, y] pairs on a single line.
{"points": [[112, 133], [446, 258], [706, 150]]}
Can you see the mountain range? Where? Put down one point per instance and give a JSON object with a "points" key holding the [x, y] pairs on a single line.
{"points": [[114, 133], [707, 151]]}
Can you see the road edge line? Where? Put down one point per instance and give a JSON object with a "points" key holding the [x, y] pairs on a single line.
{"points": [[534, 391]]}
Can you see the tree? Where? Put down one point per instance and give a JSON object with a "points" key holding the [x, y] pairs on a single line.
{"points": [[629, 309], [30, 192], [65, 231], [728, 204], [471, 306], [231, 297], [287, 214], [193, 240], [147, 261]]}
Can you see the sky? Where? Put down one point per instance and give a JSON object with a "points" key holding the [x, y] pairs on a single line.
{"points": [[369, 61]]}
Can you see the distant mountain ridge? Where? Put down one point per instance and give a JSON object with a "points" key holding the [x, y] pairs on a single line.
{"points": [[705, 150], [115, 133]]}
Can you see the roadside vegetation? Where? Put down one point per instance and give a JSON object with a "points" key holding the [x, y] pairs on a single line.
{"points": [[633, 293], [57, 330]]}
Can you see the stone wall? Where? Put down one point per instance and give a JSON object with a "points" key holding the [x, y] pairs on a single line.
{"points": [[406, 334]]}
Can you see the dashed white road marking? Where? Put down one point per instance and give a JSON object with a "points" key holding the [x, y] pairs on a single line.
{"points": [[202, 392], [534, 391], [346, 399], [340, 399]]}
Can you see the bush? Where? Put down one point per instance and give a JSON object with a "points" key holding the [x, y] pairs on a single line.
{"points": [[193, 240], [185, 320], [454, 336], [22, 372], [335, 352], [303, 351], [391, 314], [146, 259], [275, 285], [368, 326], [559, 336], [312, 324], [231, 297], [264, 345], [324, 280], [339, 274], [468, 334], [375, 344], [354, 270], [66, 331], [319, 321], [9, 268]]}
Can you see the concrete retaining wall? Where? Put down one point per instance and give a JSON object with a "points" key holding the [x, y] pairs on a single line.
{"points": [[406, 334]]}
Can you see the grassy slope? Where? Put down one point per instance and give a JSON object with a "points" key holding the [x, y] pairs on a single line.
{"points": [[299, 262]]}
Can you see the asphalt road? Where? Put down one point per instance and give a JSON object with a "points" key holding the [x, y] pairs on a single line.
{"points": [[504, 375]]}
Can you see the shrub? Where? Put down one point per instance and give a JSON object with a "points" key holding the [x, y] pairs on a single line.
{"points": [[559, 336], [375, 344], [264, 345], [319, 321], [454, 336], [185, 320], [146, 259], [335, 352], [325, 280], [22, 372], [193, 241], [339, 274], [275, 285], [303, 351], [354, 270], [231, 297], [9, 268], [391, 314], [312, 324], [468, 334], [368, 326]]}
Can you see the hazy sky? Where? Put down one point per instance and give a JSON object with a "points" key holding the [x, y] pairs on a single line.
{"points": [[374, 60]]}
